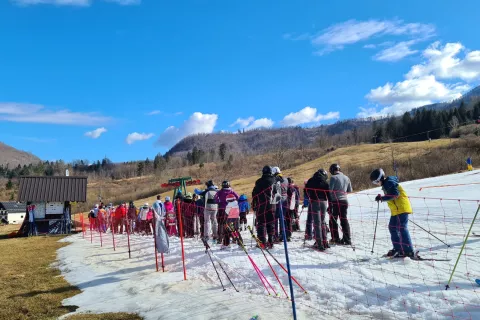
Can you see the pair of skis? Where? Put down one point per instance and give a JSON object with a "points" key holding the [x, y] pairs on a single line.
{"points": [[417, 257], [207, 247]]}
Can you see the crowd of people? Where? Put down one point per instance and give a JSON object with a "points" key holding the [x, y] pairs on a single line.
{"points": [[218, 213]]}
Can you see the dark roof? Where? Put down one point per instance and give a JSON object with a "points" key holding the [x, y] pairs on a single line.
{"points": [[52, 189], [13, 207]]}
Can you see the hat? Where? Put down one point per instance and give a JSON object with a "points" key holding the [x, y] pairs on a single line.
{"points": [[167, 198]]}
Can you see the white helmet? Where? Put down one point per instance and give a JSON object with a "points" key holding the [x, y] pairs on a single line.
{"points": [[167, 198], [276, 170]]}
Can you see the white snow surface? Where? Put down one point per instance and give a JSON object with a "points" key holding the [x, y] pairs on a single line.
{"points": [[341, 282]]}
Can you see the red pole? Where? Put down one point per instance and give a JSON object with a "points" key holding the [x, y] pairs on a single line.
{"points": [[155, 241], [91, 235], [113, 231], [99, 230], [128, 238], [181, 238]]}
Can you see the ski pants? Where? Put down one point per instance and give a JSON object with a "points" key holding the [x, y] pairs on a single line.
{"points": [[399, 234], [280, 206], [265, 223], [339, 210], [221, 220], [319, 211], [309, 223], [210, 217]]}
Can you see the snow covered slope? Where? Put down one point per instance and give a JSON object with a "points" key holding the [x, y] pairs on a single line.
{"points": [[341, 282]]}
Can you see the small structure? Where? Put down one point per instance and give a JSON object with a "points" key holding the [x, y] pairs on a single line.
{"points": [[12, 212], [48, 201]]}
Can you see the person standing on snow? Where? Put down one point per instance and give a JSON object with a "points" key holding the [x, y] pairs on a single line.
{"points": [[293, 196], [188, 210], [317, 189], [400, 208], [244, 208], [265, 197], [221, 199], [210, 213], [159, 209], [281, 207], [131, 216], [340, 185], [142, 216]]}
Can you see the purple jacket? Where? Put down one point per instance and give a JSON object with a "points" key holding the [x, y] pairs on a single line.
{"points": [[221, 197]]}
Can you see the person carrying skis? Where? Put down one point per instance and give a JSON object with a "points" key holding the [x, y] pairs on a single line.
{"points": [[221, 199], [265, 197], [290, 215], [400, 207], [317, 189], [244, 208], [210, 213], [339, 186], [282, 206]]}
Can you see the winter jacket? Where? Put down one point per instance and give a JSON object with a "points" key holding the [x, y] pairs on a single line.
{"points": [[209, 197], [396, 197], [266, 192], [188, 207], [143, 213], [168, 206], [339, 186], [200, 205], [221, 197], [317, 189], [132, 213], [159, 208], [283, 186], [120, 212], [293, 197], [150, 214], [243, 206]]}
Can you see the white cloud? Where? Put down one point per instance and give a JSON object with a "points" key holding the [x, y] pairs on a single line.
{"points": [[154, 112], [307, 115], [94, 134], [32, 113], [339, 35], [135, 136], [444, 63], [78, 3], [396, 52], [260, 123], [241, 122], [370, 46], [197, 123]]}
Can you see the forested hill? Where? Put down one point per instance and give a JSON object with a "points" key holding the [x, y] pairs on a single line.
{"points": [[14, 157], [265, 140]]}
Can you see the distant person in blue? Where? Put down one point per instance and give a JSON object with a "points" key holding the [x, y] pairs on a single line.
{"points": [[244, 208], [469, 164]]}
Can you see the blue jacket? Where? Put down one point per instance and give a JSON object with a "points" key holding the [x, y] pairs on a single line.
{"points": [[243, 206]]}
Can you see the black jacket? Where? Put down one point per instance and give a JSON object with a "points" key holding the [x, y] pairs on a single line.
{"points": [[265, 192], [317, 189]]}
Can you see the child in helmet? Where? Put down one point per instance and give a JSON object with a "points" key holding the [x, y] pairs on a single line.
{"points": [[221, 197], [244, 208], [400, 208]]}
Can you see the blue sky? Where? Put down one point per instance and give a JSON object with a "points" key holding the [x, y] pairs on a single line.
{"points": [[81, 79]]}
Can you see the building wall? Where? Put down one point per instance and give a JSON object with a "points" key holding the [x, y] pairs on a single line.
{"points": [[16, 218]]}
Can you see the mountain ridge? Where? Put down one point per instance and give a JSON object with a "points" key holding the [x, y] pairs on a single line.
{"points": [[13, 157]]}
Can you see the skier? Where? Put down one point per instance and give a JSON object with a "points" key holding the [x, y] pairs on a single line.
{"points": [[281, 207], [339, 186], [210, 212], [244, 208], [317, 189], [469, 164], [142, 216], [400, 208], [265, 196], [120, 214], [200, 211], [293, 196], [131, 216], [188, 210], [171, 218], [221, 199]]}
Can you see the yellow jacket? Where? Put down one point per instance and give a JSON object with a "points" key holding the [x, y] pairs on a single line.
{"points": [[396, 197]]}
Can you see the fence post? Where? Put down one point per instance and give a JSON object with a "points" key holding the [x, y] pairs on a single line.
{"points": [[113, 231], [179, 212]]}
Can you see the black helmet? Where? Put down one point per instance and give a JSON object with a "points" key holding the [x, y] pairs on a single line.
{"points": [[290, 180], [267, 170], [377, 175], [334, 167], [209, 183], [322, 174], [226, 184]]}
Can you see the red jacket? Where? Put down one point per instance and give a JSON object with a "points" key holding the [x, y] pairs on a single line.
{"points": [[120, 212]]}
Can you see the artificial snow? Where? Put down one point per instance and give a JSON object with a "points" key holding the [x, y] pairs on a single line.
{"points": [[341, 282]]}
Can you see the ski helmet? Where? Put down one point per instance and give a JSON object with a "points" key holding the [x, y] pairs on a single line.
{"points": [[188, 195], [322, 174], [167, 198], [290, 180], [209, 183], [377, 175], [334, 167], [225, 184], [267, 170], [276, 170]]}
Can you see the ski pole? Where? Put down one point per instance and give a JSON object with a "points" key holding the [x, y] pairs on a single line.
{"points": [[376, 223], [463, 247], [275, 259], [431, 234], [226, 274], [216, 271]]}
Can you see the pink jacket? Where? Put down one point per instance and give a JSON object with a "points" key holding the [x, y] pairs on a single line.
{"points": [[168, 206]]}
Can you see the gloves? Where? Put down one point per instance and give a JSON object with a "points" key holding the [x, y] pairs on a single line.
{"points": [[378, 198]]}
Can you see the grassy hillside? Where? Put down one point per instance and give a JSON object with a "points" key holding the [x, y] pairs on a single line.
{"points": [[14, 157]]}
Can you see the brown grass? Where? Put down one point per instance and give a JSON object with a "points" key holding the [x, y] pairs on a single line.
{"points": [[30, 287]]}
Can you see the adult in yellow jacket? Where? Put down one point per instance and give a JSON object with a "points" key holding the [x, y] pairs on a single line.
{"points": [[400, 208]]}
